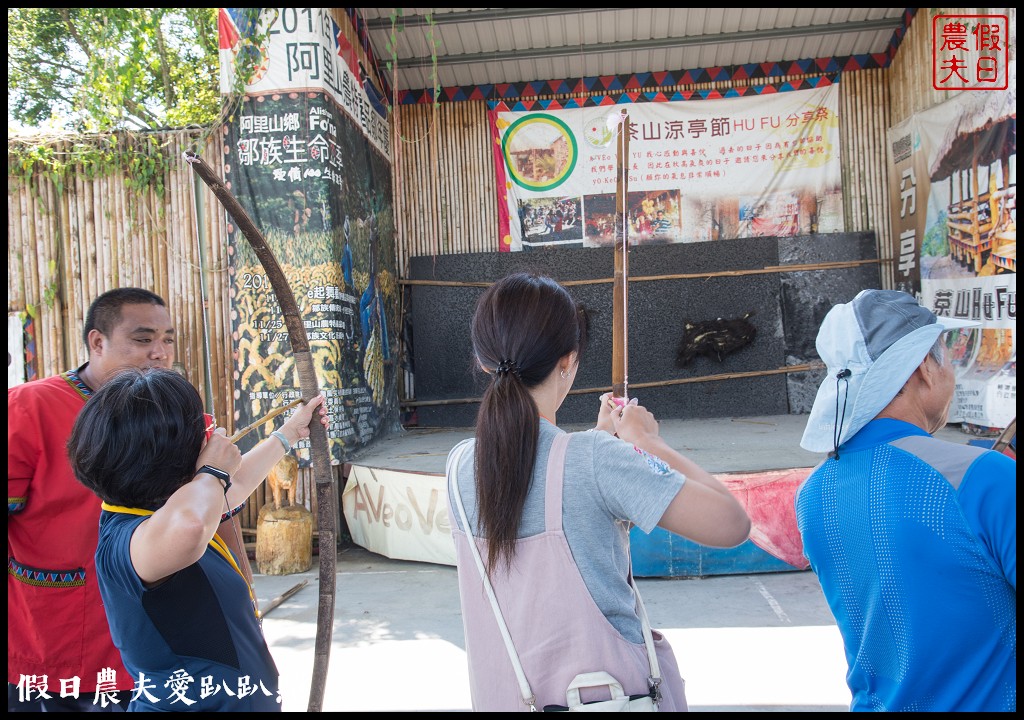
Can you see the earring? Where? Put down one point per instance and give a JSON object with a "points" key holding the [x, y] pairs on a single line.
{"points": [[564, 375]]}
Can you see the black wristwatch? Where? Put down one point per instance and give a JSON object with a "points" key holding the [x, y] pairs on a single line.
{"points": [[217, 473]]}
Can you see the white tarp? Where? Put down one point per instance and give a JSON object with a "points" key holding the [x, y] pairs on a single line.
{"points": [[399, 514]]}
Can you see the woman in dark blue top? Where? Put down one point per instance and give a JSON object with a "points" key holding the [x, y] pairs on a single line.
{"points": [[180, 611]]}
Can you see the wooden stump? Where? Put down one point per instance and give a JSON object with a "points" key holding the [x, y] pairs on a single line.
{"points": [[284, 540]]}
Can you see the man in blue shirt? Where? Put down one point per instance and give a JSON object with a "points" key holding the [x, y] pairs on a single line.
{"points": [[662, 226], [913, 539]]}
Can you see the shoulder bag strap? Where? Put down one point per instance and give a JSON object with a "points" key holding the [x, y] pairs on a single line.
{"points": [[652, 657], [453, 490]]}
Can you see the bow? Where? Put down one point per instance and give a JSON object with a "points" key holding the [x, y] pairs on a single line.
{"points": [[319, 452], [1006, 437], [620, 295]]}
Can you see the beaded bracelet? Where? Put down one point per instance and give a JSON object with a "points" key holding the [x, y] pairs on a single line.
{"points": [[232, 513]]}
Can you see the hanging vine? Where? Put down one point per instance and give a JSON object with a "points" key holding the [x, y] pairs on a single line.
{"points": [[140, 160], [138, 157], [391, 46]]}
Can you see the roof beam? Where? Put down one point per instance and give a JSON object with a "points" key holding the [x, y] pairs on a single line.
{"points": [[720, 38], [453, 18]]}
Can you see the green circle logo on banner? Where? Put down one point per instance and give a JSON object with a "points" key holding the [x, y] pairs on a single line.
{"points": [[540, 152]]}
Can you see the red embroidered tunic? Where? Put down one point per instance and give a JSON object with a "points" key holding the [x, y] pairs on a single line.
{"points": [[56, 625]]}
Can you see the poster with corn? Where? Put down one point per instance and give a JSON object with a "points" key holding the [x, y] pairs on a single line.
{"points": [[308, 156], [320, 193]]}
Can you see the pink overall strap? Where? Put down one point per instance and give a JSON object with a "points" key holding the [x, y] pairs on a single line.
{"points": [[553, 490]]}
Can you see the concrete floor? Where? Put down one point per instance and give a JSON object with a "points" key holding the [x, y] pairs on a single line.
{"points": [[744, 642], [764, 642]]}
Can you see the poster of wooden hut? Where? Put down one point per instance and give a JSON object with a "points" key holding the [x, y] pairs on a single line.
{"points": [[975, 159], [953, 181]]}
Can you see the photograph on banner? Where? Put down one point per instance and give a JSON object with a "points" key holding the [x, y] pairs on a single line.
{"points": [[552, 221], [698, 170], [953, 174], [653, 218]]}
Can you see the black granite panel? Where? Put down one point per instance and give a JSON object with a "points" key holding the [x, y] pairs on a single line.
{"points": [[738, 397], [443, 351], [449, 416], [786, 311], [703, 257], [808, 295], [560, 263]]}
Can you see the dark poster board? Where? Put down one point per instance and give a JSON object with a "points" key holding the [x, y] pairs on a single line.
{"points": [[314, 185]]}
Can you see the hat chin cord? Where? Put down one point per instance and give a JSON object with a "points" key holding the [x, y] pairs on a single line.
{"points": [[837, 432]]}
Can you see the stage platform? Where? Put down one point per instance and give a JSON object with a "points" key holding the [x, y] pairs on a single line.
{"points": [[395, 500], [739, 444]]}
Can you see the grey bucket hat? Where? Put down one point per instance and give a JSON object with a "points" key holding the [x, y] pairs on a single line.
{"points": [[871, 346]]}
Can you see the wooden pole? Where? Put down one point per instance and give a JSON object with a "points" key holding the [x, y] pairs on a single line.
{"points": [[658, 383], [319, 450], [619, 287], [768, 269]]}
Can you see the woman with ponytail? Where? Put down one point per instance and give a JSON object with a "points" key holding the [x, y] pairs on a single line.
{"points": [[550, 512]]}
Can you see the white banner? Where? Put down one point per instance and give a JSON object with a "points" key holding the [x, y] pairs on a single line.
{"points": [[306, 50], [400, 515], [766, 165]]}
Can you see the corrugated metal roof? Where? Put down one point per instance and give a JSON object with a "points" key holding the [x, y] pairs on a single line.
{"points": [[484, 46]]}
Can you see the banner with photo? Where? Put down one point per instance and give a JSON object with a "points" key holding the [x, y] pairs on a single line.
{"points": [[766, 165], [953, 186], [308, 170]]}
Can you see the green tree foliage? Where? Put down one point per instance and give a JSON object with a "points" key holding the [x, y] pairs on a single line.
{"points": [[102, 69], [936, 238]]}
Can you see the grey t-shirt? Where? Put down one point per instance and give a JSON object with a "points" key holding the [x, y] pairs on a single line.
{"points": [[608, 484]]}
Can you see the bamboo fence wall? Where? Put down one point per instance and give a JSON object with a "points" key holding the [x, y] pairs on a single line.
{"points": [[73, 241], [445, 186], [69, 242]]}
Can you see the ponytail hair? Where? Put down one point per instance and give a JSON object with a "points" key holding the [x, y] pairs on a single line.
{"points": [[523, 324]]}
